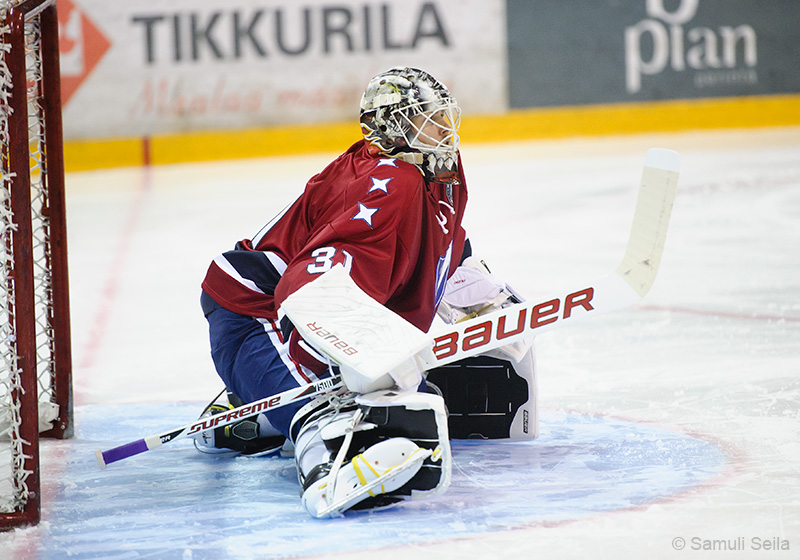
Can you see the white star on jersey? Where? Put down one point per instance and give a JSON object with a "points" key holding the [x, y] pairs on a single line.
{"points": [[379, 185], [365, 214], [387, 161]]}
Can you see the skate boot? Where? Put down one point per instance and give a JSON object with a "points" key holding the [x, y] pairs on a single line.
{"points": [[253, 435]]}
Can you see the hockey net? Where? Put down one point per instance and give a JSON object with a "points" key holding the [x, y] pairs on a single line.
{"points": [[35, 362]]}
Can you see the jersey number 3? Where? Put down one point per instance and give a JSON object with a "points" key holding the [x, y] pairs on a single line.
{"points": [[325, 258]]}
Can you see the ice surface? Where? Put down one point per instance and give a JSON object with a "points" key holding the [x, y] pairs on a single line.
{"points": [[238, 507], [676, 418]]}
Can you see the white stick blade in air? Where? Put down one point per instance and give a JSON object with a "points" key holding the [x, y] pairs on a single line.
{"points": [[642, 257]]}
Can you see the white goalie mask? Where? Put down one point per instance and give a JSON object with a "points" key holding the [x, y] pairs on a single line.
{"points": [[408, 114]]}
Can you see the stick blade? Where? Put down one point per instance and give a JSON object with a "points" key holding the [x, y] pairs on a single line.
{"points": [[659, 184]]}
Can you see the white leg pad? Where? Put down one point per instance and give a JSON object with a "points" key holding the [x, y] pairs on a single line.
{"points": [[384, 467], [375, 451]]}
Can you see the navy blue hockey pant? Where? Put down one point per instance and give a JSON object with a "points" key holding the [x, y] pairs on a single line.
{"points": [[252, 360]]}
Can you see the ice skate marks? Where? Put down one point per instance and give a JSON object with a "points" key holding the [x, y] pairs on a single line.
{"points": [[581, 466]]}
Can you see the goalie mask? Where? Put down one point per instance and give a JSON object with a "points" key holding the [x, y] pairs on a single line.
{"points": [[407, 114]]}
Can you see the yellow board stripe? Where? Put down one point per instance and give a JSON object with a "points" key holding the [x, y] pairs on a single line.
{"points": [[516, 125], [635, 118]]}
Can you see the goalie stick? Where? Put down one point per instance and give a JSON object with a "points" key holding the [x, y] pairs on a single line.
{"points": [[232, 416]]}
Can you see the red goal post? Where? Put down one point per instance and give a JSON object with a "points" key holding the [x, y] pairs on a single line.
{"points": [[35, 341]]}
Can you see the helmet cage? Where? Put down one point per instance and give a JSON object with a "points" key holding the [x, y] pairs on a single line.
{"points": [[437, 129], [407, 114]]}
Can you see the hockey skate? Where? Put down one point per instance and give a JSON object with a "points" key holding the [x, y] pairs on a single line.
{"points": [[253, 435], [371, 451]]}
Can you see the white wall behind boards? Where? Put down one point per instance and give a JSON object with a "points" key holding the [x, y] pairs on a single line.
{"points": [[156, 66]]}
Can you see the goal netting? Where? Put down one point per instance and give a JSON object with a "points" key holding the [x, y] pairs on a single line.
{"points": [[35, 362]]}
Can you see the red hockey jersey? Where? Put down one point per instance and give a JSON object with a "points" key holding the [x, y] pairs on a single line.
{"points": [[399, 237]]}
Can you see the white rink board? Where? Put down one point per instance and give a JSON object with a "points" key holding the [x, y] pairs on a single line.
{"points": [[202, 65]]}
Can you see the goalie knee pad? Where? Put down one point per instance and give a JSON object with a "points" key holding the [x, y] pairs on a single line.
{"points": [[372, 451], [489, 397]]}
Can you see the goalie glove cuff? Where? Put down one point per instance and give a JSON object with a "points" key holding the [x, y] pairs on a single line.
{"points": [[405, 376]]}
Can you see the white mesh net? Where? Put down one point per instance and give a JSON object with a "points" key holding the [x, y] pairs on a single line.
{"points": [[16, 466]]}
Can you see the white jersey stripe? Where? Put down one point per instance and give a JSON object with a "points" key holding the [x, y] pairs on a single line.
{"points": [[276, 261], [301, 374]]}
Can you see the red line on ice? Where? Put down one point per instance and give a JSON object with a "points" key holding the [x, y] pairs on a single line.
{"points": [[108, 296]]}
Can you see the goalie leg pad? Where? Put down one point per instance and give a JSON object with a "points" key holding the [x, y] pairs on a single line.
{"points": [[383, 468], [489, 397], [373, 452]]}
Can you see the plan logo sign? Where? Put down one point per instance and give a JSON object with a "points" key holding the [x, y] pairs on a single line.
{"points": [[587, 52], [721, 55], [82, 46]]}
